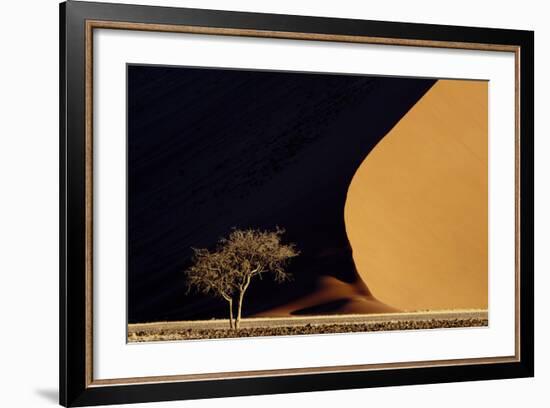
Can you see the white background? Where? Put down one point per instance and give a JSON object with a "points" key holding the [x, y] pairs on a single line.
{"points": [[29, 202]]}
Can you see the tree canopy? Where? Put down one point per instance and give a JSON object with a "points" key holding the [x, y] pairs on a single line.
{"points": [[227, 271]]}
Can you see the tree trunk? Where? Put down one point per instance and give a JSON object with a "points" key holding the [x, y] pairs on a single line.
{"points": [[240, 304], [239, 310], [231, 324]]}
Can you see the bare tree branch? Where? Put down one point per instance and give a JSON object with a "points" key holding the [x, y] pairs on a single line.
{"points": [[228, 271]]}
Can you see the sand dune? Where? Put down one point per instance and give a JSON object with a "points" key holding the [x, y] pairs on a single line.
{"points": [[332, 296], [298, 139], [416, 214]]}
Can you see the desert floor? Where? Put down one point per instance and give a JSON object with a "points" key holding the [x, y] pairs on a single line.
{"points": [[251, 327]]}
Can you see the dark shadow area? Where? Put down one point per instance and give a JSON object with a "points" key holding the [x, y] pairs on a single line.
{"points": [[213, 149], [322, 308]]}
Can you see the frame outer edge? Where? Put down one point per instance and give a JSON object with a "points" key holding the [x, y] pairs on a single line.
{"points": [[526, 153], [62, 207], [73, 389], [73, 293], [282, 22]]}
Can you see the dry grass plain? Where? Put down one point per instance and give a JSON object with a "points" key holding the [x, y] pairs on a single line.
{"points": [[273, 326]]}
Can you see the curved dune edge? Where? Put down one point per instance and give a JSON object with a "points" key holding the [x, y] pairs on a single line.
{"points": [[416, 212]]}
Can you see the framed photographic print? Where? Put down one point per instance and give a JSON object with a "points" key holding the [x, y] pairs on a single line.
{"points": [[256, 203]]}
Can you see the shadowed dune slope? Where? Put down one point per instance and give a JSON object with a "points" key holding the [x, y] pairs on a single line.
{"points": [[332, 296], [212, 149]]}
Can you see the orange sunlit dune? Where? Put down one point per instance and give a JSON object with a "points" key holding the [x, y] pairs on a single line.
{"points": [[416, 211]]}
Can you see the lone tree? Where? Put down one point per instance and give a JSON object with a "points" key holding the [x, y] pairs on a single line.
{"points": [[227, 272]]}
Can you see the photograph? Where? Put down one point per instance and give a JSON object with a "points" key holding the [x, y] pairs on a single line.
{"points": [[270, 202]]}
